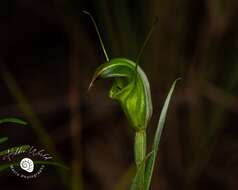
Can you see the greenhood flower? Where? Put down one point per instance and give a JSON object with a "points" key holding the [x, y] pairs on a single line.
{"points": [[130, 88]]}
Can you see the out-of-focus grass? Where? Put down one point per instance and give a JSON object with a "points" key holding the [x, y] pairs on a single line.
{"points": [[32, 118]]}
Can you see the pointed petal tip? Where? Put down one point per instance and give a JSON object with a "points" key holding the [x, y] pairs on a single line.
{"points": [[90, 86], [92, 82], [86, 12]]}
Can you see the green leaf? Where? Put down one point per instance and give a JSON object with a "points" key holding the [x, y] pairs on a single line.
{"points": [[137, 184], [130, 88], [151, 161], [3, 140], [12, 120]]}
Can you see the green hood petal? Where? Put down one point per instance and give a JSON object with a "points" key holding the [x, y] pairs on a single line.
{"points": [[130, 88]]}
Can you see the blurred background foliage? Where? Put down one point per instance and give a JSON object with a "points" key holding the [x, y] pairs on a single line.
{"points": [[48, 53]]}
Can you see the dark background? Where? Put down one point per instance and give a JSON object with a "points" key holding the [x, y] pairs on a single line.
{"points": [[48, 53]]}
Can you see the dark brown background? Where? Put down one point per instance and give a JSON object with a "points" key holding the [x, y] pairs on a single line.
{"points": [[48, 53]]}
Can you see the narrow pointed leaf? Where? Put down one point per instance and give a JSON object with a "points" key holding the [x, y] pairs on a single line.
{"points": [[12, 120], [151, 161], [137, 184]]}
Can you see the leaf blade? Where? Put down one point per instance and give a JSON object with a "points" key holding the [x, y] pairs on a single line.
{"points": [[12, 120], [136, 183], [160, 126]]}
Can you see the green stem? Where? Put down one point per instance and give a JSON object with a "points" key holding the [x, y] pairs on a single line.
{"points": [[140, 147], [140, 153]]}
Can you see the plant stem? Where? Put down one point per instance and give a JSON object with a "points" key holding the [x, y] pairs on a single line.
{"points": [[140, 147], [140, 153]]}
